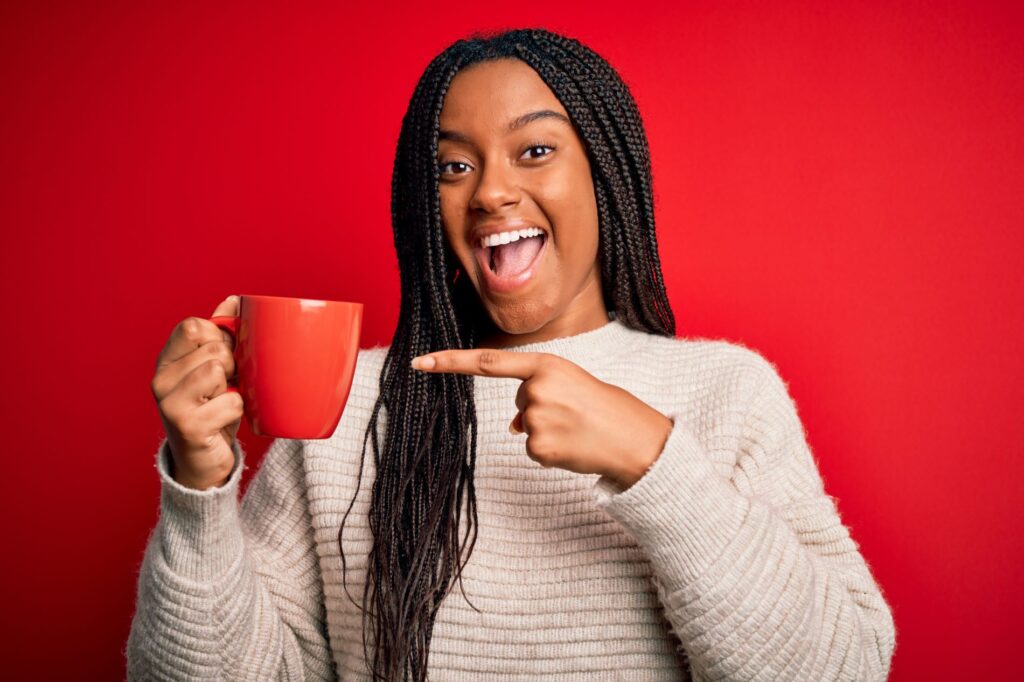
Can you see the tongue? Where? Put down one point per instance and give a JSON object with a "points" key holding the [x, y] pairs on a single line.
{"points": [[512, 258]]}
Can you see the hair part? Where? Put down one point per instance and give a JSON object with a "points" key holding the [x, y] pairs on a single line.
{"points": [[424, 481]]}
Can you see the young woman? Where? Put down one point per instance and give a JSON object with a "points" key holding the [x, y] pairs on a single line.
{"points": [[613, 502]]}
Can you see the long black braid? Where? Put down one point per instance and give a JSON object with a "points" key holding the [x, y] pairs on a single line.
{"points": [[429, 451]]}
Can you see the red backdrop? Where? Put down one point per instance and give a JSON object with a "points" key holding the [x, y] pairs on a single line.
{"points": [[838, 186]]}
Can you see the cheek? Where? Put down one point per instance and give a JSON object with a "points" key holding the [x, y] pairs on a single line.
{"points": [[447, 202], [567, 200], [451, 217]]}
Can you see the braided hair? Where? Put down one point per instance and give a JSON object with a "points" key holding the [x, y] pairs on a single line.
{"points": [[425, 469]]}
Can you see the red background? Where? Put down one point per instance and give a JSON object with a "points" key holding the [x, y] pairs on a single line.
{"points": [[838, 186]]}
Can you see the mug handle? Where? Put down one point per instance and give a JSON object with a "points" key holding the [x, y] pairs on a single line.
{"points": [[229, 323]]}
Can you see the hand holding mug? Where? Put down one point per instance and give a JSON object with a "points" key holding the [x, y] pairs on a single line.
{"points": [[294, 359], [200, 412]]}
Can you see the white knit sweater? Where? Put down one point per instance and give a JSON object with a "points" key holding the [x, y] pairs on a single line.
{"points": [[726, 561]]}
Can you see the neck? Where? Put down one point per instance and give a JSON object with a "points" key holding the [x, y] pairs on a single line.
{"points": [[588, 349], [556, 329], [587, 312]]}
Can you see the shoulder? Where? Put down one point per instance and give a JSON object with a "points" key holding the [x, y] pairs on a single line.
{"points": [[730, 377], [715, 365]]}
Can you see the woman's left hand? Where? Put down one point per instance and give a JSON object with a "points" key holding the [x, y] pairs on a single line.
{"points": [[572, 420]]}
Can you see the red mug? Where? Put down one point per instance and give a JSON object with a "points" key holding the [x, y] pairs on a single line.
{"points": [[294, 360]]}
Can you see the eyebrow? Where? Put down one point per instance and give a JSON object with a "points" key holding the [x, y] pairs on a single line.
{"points": [[516, 124]]}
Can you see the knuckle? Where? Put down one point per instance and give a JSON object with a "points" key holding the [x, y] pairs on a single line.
{"points": [[214, 368], [221, 351], [531, 392], [544, 450], [190, 328], [535, 443], [540, 458], [157, 386], [169, 413], [488, 360], [548, 461]]}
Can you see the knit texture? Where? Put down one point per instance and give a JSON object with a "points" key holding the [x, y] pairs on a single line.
{"points": [[727, 560]]}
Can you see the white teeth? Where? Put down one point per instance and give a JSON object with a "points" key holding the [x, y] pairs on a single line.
{"points": [[506, 237]]}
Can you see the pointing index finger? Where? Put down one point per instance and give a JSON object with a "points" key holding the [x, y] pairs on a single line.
{"points": [[484, 362]]}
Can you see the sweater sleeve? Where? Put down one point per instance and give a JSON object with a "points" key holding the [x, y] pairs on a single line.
{"points": [[231, 590], [767, 585]]}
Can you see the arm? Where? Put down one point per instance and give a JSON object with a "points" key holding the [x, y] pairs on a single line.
{"points": [[229, 590], [761, 586]]}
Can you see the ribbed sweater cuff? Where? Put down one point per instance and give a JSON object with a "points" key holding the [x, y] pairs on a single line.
{"points": [[200, 532], [681, 512]]}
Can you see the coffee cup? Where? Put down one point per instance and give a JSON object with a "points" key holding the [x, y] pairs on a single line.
{"points": [[294, 359]]}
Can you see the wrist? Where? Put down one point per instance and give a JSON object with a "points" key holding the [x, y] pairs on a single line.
{"points": [[632, 468], [196, 482], [199, 484]]}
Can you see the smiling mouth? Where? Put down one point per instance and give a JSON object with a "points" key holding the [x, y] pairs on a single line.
{"points": [[506, 267], [512, 258]]}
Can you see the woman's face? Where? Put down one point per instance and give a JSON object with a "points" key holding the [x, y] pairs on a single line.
{"points": [[510, 160]]}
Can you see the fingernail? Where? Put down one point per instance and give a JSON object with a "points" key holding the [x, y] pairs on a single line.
{"points": [[423, 362]]}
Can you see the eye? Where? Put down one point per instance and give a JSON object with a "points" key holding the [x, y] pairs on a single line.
{"points": [[529, 153], [442, 166]]}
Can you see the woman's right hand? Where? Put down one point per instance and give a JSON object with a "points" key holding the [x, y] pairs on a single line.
{"points": [[200, 416]]}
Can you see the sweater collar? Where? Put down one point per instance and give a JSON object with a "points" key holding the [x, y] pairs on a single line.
{"points": [[586, 348]]}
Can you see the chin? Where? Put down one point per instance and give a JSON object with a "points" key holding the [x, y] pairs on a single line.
{"points": [[521, 317]]}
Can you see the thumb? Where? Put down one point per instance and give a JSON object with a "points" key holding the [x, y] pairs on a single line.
{"points": [[227, 307], [516, 427]]}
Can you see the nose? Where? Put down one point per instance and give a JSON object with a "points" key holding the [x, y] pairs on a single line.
{"points": [[498, 187]]}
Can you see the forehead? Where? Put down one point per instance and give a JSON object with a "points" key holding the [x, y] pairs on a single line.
{"points": [[489, 94]]}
